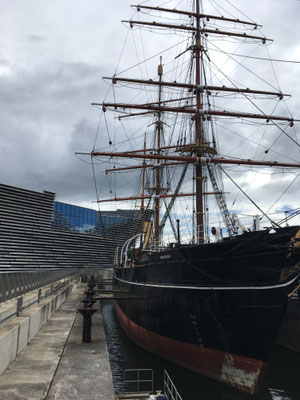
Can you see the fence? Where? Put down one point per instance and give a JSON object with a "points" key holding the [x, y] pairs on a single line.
{"points": [[14, 284], [138, 380]]}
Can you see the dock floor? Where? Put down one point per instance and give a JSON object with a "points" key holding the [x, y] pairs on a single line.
{"points": [[56, 365]]}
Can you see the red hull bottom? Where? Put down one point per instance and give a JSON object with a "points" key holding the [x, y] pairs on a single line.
{"points": [[239, 372]]}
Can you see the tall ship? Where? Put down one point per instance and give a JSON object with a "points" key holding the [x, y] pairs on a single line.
{"points": [[208, 290]]}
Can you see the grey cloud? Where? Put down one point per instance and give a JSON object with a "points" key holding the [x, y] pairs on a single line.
{"points": [[36, 38], [45, 108], [42, 119]]}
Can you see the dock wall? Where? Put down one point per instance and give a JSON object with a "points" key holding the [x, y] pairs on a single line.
{"points": [[18, 332]]}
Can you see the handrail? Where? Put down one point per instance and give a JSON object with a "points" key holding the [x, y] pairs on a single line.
{"points": [[138, 380], [15, 284], [122, 249], [127, 245], [169, 388], [18, 305]]}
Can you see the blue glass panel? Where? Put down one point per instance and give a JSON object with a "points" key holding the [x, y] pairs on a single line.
{"points": [[86, 218]]}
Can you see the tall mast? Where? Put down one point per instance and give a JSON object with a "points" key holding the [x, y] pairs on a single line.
{"points": [[143, 181], [199, 153], [158, 132], [199, 132]]}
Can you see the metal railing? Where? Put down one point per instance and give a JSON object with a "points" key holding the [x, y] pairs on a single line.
{"points": [[125, 247], [42, 294], [141, 381], [187, 236], [15, 284], [138, 380], [169, 388]]}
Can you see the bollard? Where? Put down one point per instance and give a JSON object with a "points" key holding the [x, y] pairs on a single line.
{"points": [[91, 282], [39, 295], [19, 306], [87, 323], [88, 303], [89, 294]]}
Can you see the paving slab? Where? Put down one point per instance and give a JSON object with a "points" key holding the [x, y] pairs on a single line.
{"points": [[84, 372], [57, 365]]}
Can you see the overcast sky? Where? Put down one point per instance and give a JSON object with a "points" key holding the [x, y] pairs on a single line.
{"points": [[52, 57]]}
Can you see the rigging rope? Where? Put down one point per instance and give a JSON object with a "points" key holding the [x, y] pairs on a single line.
{"points": [[150, 58], [249, 198], [294, 180], [259, 58], [247, 97]]}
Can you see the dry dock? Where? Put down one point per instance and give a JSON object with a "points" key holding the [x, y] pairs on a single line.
{"points": [[56, 364]]}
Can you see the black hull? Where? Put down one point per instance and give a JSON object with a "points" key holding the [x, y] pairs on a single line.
{"points": [[193, 304]]}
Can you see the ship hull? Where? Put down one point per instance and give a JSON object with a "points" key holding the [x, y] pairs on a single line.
{"points": [[193, 312], [240, 372]]}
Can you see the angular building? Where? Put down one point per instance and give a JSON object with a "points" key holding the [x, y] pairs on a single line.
{"points": [[38, 232]]}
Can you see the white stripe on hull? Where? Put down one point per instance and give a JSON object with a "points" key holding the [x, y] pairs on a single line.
{"points": [[169, 286]]}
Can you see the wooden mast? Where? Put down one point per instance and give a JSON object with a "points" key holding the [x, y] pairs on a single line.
{"points": [[198, 133], [142, 195], [143, 181], [158, 169]]}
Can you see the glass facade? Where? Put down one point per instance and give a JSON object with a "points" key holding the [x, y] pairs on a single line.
{"points": [[81, 219], [108, 220]]}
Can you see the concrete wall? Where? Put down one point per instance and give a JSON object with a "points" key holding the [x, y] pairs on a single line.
{"points": [[18, 332], [105, 273]]}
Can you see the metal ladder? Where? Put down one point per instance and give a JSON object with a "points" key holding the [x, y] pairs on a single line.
{"points": [[221, 201]]}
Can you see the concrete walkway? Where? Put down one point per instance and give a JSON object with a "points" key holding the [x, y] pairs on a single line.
{"points": [[56, 365]]}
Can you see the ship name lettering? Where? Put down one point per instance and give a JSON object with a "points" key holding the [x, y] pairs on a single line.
{"points": [[165, 256]]}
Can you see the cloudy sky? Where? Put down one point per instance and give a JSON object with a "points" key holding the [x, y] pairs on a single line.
{"points": [[52, 57]]}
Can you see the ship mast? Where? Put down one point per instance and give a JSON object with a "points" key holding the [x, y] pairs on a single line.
{"points": [[199, 133], [158, 169], [198, 153], [143, 182]]}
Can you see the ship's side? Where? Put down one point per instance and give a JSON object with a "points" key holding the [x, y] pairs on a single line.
{"points": [[215, 308], [190, 310]]}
